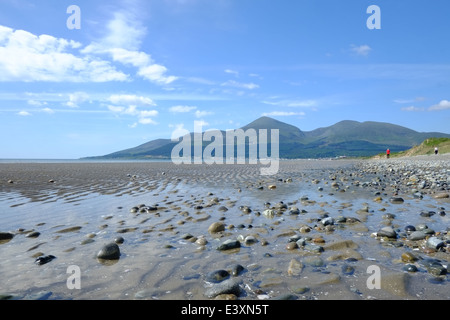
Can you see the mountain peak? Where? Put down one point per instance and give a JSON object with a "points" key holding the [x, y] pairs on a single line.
{"points": [[286, 130]]}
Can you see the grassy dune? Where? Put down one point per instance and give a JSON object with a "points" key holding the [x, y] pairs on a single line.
{"points": [[425, 148]]}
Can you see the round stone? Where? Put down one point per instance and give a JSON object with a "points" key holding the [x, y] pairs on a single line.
{"points": [[110, 251]]}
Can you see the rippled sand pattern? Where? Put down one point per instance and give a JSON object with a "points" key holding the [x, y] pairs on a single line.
{"points": [[78, 207]]}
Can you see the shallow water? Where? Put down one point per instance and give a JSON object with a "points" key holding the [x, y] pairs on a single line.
{"points": [[157, 263]]}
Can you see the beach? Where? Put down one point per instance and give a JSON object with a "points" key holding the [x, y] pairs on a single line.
{"points": [[342, 229]]}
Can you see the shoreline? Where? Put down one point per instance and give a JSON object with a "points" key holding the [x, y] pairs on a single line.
{"points": [[335, 211]]}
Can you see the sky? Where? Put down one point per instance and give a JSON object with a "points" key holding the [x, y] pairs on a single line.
{"points": [[88, 78]]}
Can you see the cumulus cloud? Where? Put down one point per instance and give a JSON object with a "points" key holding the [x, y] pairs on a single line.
{"points": [[443, 105], [127, 104], [122, 42], [28, 57]]}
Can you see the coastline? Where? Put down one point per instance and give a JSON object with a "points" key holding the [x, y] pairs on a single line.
{"points": [[160, 261]]}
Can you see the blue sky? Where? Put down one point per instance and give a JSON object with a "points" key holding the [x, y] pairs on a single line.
{"points": [[139, 70]]}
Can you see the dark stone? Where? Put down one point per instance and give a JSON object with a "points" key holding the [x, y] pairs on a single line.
{"points": [[6, 236], [229, 286], [217, 276], [44, 259], [110, 251]]}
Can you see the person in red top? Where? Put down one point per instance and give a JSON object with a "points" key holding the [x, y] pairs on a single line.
{"points": [[388, 152]]}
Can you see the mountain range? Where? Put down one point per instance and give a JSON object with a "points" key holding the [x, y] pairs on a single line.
{"points": [[345, 138]]}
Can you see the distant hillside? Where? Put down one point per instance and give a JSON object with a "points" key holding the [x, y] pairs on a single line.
{"points": [[345, 138], [425, 148]]}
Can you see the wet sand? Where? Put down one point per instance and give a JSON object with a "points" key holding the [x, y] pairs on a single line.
{"points": [[168, 252]]}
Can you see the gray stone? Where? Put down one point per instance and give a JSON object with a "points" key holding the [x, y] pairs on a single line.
{"points": [[387, 232], [110, 251], [217, 276], [396, 200], [229, 244], [435, 243], [229, 286], [417, 235], [327, 221]]}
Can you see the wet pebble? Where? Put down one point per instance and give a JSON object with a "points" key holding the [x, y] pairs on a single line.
{"points": [[396, 200], [216, 227], [229, 286], [388, 232], [217, 276], [229, 244], [44, 259], [6, 236], [110, 251], [435, 243]]}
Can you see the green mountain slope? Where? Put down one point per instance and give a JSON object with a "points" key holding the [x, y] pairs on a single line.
{"points": [[345, 138]]}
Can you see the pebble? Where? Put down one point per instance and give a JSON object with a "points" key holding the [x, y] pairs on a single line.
{"points": [[236, 270], [217, 276], [33, 234], [408, 257], [110, 251], [417, 235], [6, 236], [229, 286], [44, 259], [388, 232], [396, 200], [435, 243], [216, 227], [119, 240], [229, 244]]}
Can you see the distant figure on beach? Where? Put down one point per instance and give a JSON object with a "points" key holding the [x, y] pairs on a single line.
{"points": [[388, 152], [436, 150]]}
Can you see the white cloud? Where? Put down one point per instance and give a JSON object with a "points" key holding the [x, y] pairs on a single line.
{"points": [[147, 121], [122, 42], [127, 104], [116, 109], [155, 73], [182, 109], [48, 110], [362, 50], [200, 114], [36, 103], [148, 113], [233, 72], [443, 105], [235, 84], [28, 57], [412, 109], [24, 113], [282, 114], [293, 103], [130, 99], [75, 99]]}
